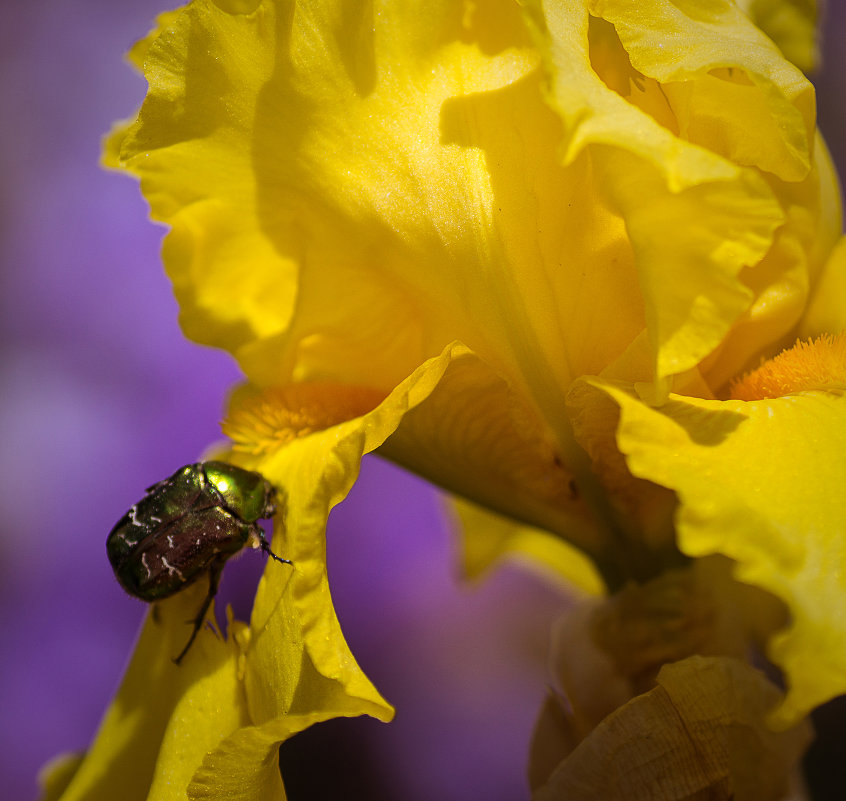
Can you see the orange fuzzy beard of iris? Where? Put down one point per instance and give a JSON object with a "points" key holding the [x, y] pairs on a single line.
{"points": [[263, 421], [816, 365]]}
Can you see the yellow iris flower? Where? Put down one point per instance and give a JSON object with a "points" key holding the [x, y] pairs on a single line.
{"points": [[529, 252]]}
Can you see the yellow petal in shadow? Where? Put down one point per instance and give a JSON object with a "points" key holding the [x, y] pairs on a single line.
{"points": [[827, 311], [55, 776], [246, 765], [792, 25], [478, 437], [701, 733], [487, 539]]}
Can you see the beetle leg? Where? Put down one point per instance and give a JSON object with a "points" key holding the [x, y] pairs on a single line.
{"points": [[265, 546], [215, 570]]}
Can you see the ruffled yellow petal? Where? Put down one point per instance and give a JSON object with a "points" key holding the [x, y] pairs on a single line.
{"points": [[784, 280], [695, 218], [273, 177], [137, 55], [347, 199], [726, 79], [272, 171], [113, 142], [304, 192], [297, 661], [205, 189], [165, 717], [760, 482]]}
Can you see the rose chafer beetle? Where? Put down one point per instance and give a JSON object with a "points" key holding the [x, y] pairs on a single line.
{"points": [[187, 526]]}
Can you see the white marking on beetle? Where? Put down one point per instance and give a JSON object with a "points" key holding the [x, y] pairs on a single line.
{"points": [[121, 535], [170, 541], [144, 562], [171, 569]]}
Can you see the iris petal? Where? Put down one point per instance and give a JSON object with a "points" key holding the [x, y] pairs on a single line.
{"points": [[760, 482]]}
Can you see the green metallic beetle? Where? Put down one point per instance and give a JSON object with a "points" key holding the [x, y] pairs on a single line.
{"points": [[187, 526]]}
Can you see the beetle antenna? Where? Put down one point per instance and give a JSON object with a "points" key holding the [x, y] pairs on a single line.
{"points": [[263, 544]]}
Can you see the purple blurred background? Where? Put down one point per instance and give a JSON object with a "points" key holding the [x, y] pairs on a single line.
{"points": [[101, 396]]}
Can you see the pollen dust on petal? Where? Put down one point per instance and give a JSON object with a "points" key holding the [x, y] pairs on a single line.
{"points": [[267, 419], [816, 365]]}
